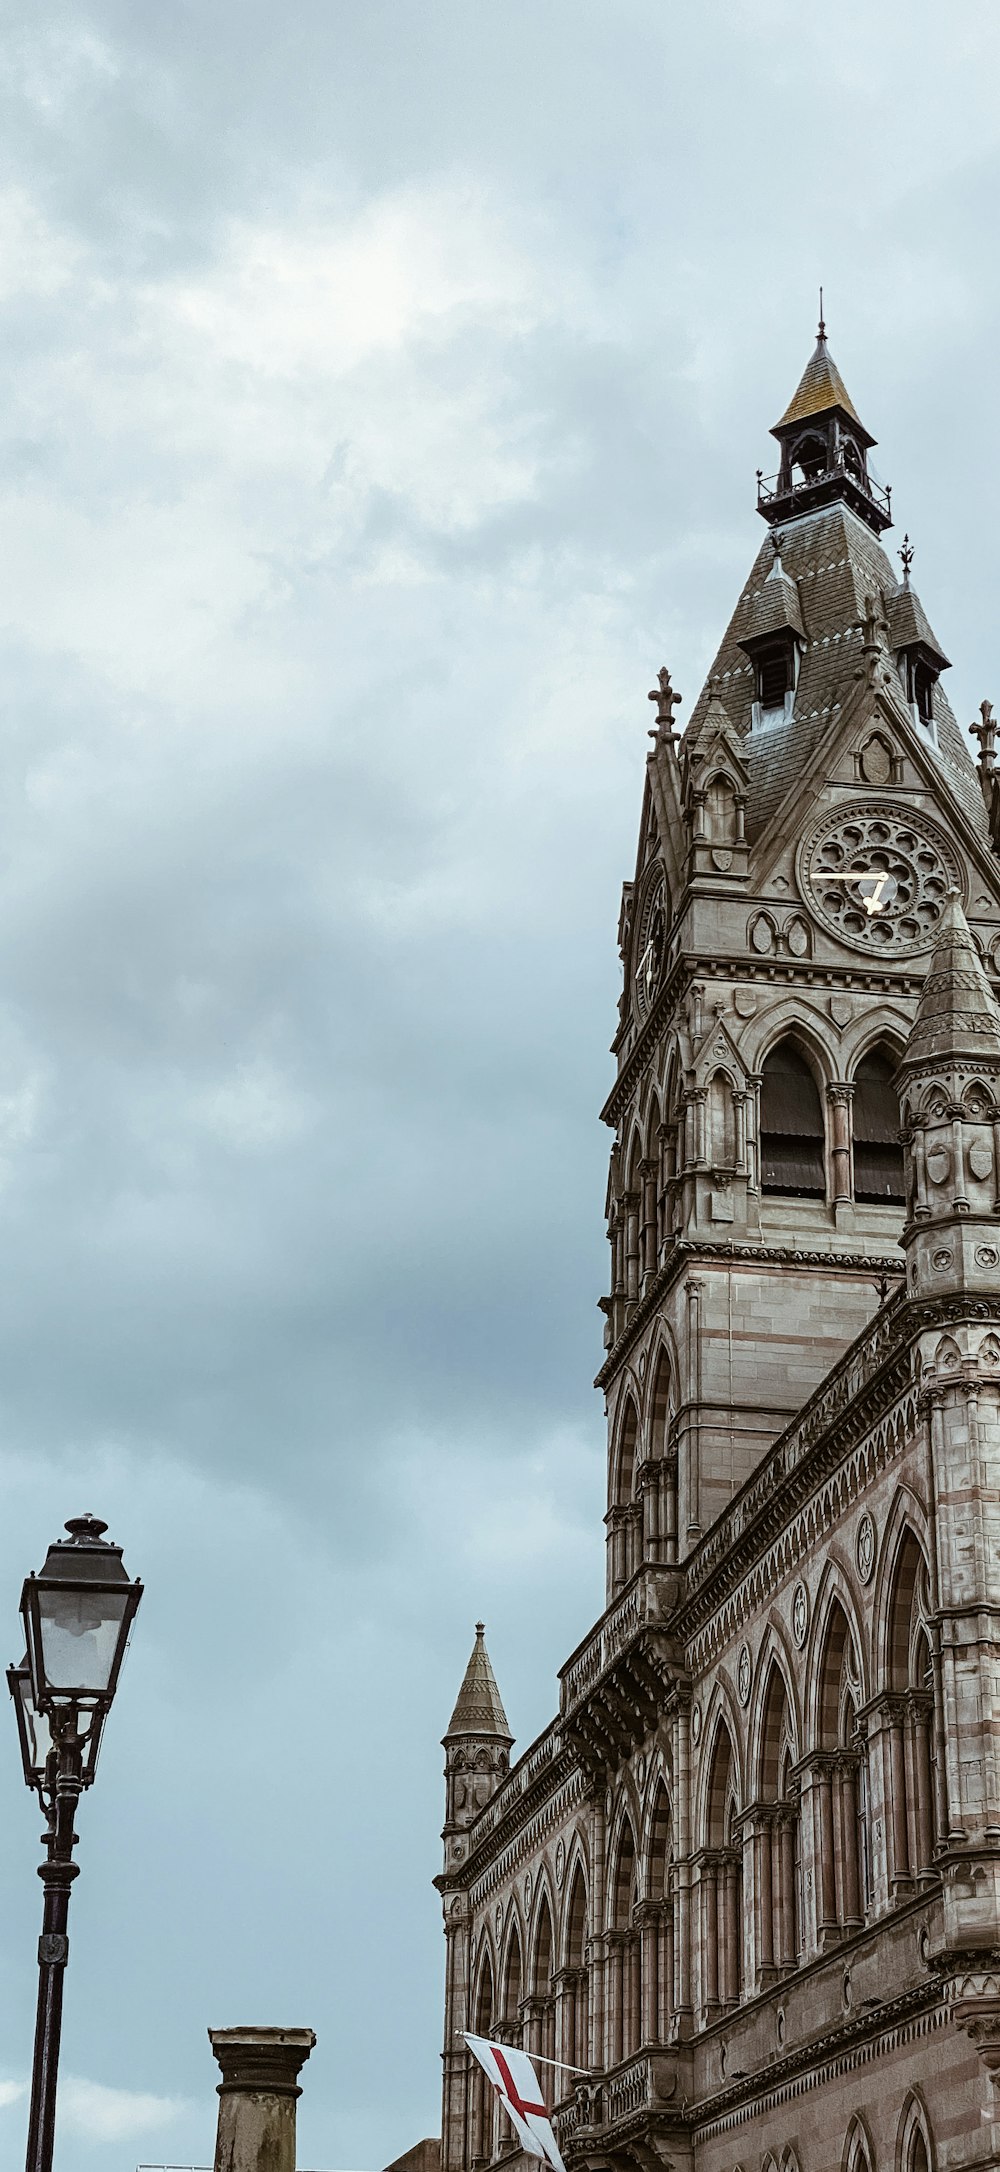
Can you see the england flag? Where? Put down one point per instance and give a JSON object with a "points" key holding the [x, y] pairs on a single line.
{"points": [[519, 2090]]}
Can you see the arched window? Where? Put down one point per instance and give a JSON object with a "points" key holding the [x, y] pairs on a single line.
{"points": [[721, 1123], [913, 2153], [658, 1958], [721, 1883], [512, 1988], [482, 2108], [624, 1518], [720, 811], [576, 2040], [776, 1836], [857, 2154], [878, 1155], [625, 1988], [791, 1126], [840, 1777], [809, 459], [661, 1536], [909, 1711], [651, 1175], [543, 2019]]}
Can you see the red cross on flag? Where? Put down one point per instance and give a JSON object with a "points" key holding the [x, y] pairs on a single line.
{"points": [[519, 2090]]}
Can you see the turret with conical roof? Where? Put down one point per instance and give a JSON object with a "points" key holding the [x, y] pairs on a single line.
{"points": [[824, 450], [477, 1748], [949, 1087]]}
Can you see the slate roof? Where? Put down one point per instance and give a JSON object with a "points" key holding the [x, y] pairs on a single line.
{"points": [[957, 1015], [835, 563], [773, 607], [820, 387], [478, 1710], [909, 623]]}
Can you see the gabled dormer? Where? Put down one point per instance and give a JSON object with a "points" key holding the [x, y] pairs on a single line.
{"points": [[919, 655], [773, 637], [824, 451]]}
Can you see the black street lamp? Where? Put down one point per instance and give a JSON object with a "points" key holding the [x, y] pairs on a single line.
{"points": [[77, 1613]]}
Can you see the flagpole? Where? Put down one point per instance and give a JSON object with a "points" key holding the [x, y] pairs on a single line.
{"points": [[562, 2064]]}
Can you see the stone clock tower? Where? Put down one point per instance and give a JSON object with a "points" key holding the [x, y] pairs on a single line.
{"points": [[745, 1889]]}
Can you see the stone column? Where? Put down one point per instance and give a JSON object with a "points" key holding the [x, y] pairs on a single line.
{"points": [[648, 1246], [920, 1728], [901, 1881], [839, 1097], [257, 2096], [826, 1882], [631, 1205], [764, 1900], [849, 1836], [669, 1520], [740, 1099]]}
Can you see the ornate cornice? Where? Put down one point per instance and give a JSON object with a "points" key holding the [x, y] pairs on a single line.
{"points": [[811, 2065]]}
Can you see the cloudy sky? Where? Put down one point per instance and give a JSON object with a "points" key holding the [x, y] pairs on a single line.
{"points": [[383, 386]]}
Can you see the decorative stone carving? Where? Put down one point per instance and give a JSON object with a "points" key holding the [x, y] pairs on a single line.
{"points": [[864, 1551], [744, 1674], [800, 1614], [878, 878], [875, 761]]}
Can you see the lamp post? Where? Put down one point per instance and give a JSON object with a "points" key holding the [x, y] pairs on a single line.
{"points": [[77, 1613]]}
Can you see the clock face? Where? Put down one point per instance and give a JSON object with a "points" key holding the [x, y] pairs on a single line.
{"points": [[651, 946], [878, 877]]}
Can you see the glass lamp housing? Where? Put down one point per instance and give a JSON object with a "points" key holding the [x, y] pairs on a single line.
{"points": [[77, 1612], [33, 1731]]}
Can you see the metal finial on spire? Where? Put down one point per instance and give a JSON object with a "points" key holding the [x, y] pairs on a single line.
{"points": [[821, 334], [905, 554]]}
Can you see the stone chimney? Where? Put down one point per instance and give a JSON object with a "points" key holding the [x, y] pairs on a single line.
{"points": [[257, 2096]]}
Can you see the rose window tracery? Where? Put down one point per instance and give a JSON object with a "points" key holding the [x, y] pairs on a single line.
{"points": [[878, 877]]}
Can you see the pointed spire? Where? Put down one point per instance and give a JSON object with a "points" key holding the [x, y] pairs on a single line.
{"points": [[478, 1710], [820, 388], [957, 1015]]}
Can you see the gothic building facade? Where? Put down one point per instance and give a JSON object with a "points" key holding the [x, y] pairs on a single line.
{"points": [[746, 1886]]}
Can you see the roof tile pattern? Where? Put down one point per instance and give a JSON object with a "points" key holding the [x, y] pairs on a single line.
{"points": [[820, 387], [836, 564], [957, 1015], [479, 1710]]}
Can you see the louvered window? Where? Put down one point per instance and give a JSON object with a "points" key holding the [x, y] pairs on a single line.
{"points": [[791, 1127], [774, 674], [878, 1156]]}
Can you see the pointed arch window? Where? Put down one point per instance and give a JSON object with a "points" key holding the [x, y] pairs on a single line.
{"points": [[542, 2016], [661, 1540], [721, 1886], [658, 1934], [576, 2009], [840, 1781], [878, 1155], [792, 1135], [624, 1989], [909, 1715], [776, 1838], [624, 1517], [512, 1989], [482, 2101]]}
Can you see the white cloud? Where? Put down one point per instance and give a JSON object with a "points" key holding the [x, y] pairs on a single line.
{"points": [[100, 2114], [11, 2093]]}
